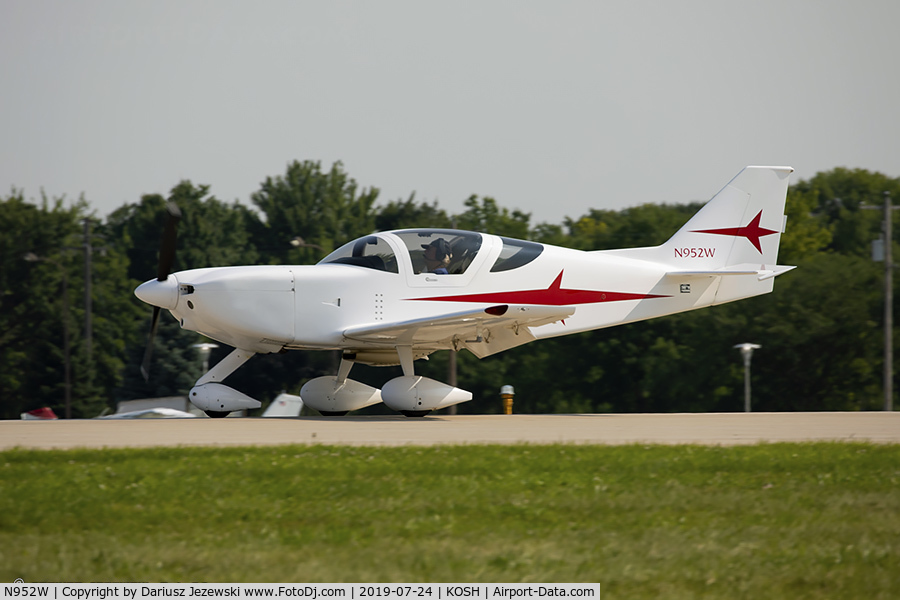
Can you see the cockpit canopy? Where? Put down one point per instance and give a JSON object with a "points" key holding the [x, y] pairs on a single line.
{"points": [[372, 252], [442, 251], [431, 250], [428, 250]]}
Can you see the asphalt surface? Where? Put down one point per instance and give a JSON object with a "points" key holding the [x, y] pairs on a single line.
{"points": [[709, 429]]}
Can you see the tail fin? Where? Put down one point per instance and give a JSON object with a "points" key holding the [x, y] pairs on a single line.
{"points": [[285, 405], [740, 227], [732, 242], [737, 232]]}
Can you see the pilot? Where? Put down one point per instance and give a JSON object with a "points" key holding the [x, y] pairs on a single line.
{"points": [[437, 256]]}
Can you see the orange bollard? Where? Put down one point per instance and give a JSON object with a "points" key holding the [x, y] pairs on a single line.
{"points": [[506, 393]]}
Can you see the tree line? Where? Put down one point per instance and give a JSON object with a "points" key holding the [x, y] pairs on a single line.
{"points": [[820, 330]]}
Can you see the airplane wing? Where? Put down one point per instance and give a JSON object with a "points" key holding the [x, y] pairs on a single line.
{"points": [[483, 331]]}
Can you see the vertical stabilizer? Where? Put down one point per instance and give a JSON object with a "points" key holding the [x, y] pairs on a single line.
{"points": [[739, 229], [285, 405], [732, 242], [740, 226]]}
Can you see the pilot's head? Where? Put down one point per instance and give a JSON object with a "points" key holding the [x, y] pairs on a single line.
{"points": [[438, 252]]}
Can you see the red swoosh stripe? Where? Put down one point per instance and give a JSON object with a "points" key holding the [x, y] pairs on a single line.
{"points": [[555, 295]]}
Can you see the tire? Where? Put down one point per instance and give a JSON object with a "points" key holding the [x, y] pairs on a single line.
{"points": [[415, 413]]}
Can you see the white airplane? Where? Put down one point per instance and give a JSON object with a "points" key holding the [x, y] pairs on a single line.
{"points": [[159, 412], [394, 297]]}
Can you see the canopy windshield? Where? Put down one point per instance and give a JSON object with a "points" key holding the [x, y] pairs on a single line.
{"points": [[371, 252], [443, 251]]}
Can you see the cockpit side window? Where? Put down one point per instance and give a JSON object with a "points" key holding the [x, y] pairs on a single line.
{"points": [[440, 251], [515, 254], [371, 252]]}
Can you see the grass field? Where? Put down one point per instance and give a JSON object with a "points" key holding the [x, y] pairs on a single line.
{"points": [[774, 521]]}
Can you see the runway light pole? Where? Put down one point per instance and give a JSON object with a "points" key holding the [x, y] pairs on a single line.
{"points": [[879, 254], [204, 349], [747, 354]]}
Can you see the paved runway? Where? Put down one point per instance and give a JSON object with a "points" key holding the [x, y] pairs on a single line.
{"points": [[710, 429]]}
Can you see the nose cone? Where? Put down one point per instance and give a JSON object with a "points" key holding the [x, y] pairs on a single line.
{"points": [[163, 294]]}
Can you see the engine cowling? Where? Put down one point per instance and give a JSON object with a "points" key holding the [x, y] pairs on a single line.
{"points": [[326, 396], [411, 394], [220, 398]]}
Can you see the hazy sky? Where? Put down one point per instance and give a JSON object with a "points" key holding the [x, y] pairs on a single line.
{"points": [[550, 107]]}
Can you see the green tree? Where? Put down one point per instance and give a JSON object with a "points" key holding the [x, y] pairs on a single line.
{"points": [[807, 234], [324, 210], [211, 233], [31, 307], [644, 225], [485, 215], [839, 196], [33, 316], [409, 214], [553, 234], [821, 336]]}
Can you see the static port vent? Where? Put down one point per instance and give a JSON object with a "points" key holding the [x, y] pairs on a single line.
{"points": [[186, 289]]}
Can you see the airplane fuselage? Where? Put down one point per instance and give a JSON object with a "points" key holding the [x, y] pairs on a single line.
{"points": [[268, 308]]}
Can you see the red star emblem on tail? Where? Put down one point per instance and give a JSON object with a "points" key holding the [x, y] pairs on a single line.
{"points": [[752, 231]]}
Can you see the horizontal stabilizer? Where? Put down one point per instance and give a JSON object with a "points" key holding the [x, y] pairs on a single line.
{"points": [[762, 272]]}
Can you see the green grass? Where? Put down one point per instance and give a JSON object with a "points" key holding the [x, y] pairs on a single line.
{"points": [[774, 521]]}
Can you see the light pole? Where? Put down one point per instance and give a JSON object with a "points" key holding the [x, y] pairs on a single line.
{"points": [[886, 255], [205, 348], [888, 307], [747, 353], [32, 257]]}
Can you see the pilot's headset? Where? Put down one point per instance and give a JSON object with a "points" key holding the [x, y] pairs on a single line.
{"points": [[437, 250]]}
